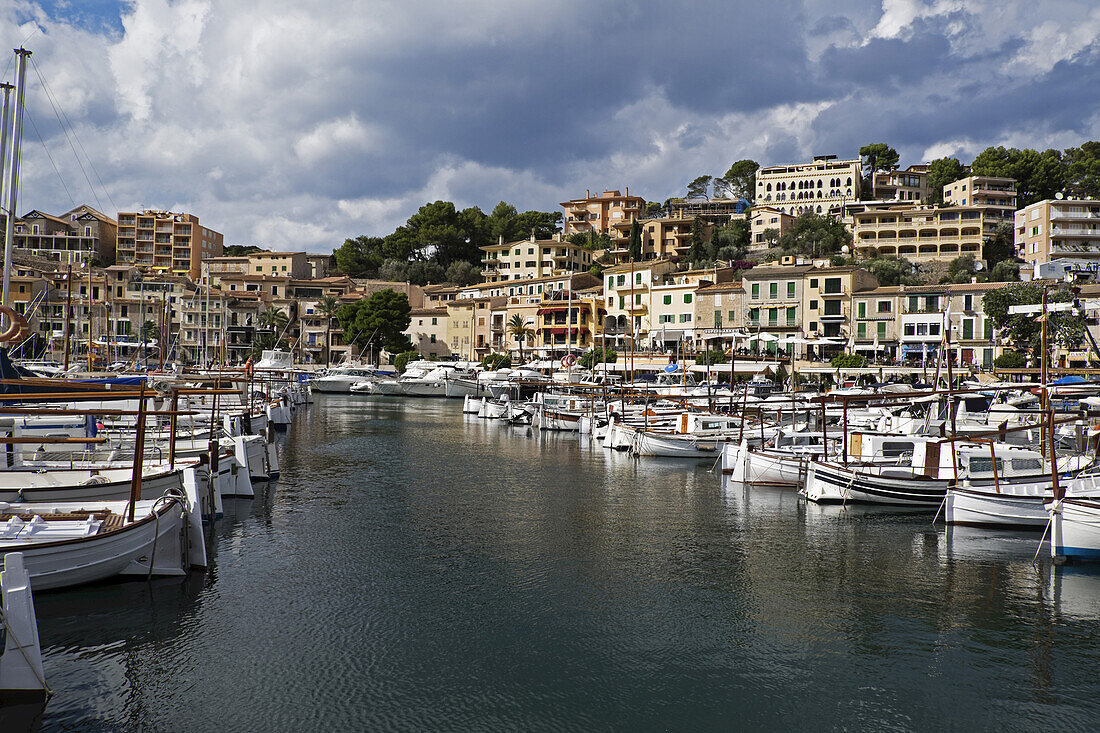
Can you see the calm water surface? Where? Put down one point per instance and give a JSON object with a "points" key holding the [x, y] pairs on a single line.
{"points": [[417, 570]]}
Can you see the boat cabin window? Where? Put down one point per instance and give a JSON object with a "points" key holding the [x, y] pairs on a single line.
{"points": [[1026, 464], [979, 464], [896, 448]]}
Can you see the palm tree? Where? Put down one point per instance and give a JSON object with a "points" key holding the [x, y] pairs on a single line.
{"points": [[328, 307], [520, 331], [273, 318]]}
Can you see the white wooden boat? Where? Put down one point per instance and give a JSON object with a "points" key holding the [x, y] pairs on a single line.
{"points": [[22, 677], [72, 543], [1075, 529], [339, 379]]}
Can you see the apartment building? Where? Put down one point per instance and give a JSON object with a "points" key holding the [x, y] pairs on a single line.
{"points": [[662, 238], [763, 221], [626, 292], [773, 301], [909, 185], [533, 258], [165, 241], [428, 332], [293, 264], [827, 298], [715, 211], [320, 265], [994, 193], [816, 186], [719, 315], [924, 233], [1062, 232], [79, 237], [600, 213], [214, 267]]}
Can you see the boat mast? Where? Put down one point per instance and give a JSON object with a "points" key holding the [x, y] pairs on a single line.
{"points": [[13, 172]]}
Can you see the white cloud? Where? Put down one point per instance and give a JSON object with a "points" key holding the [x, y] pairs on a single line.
{"points": [[294, 125]]}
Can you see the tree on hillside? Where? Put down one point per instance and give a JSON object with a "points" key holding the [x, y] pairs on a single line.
{"points": [[463, 273], [730, 242], [443, 234], [878, 157], [1000, 246], [941, 172], [1005, 271], [505, 221], [417, 272], [380, 319], [328, 307], [891, 271], [1083, 170], [697, 254], [635, 241], [240, 250], [739, 181], [654, 210], [815, 235], [960, 270], [520, 331], [360, 256], [699, 188], [1038, 175]]}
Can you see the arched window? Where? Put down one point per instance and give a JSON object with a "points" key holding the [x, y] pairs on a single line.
{"points": [[769, 187], [819, 183], [849, 180], [819, 208]]}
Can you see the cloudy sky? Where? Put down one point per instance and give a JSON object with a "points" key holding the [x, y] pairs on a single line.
{"points": [[293, 124]]}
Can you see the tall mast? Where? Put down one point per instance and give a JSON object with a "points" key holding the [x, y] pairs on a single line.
{"points": [[13, 172], [5, 125]]}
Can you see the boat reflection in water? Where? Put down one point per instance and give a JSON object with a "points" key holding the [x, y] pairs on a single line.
{"points": [[1074, 592]]}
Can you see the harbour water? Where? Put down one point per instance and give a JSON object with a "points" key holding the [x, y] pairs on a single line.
{"points": [[416, 569]]}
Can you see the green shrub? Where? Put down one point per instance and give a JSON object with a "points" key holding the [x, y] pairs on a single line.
{"points": [[712, 357], [494, 361], [848, 361], [1010, 360], [597, 356], [402, 359]]}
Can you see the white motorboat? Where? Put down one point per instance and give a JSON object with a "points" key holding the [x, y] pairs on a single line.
{"points": [[340, 379]]}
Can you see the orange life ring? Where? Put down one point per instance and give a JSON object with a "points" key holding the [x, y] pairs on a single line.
{"points": [[15, 326], [568, 360]]}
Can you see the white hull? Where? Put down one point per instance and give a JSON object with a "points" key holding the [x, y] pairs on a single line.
{"points": [[675, 446], [21, 674], [1075, 529], [456, 388], [424, 389], [972, 508], [155, 544]]}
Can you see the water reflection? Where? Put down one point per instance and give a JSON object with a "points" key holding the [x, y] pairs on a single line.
{"points": [[416, 568]]}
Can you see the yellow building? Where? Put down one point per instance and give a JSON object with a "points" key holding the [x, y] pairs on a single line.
{"points": [[428, 332], [924, 233], [995, 193], [600, 213], [1067, 230], [293, 264], [662, 238], [761, 220], [532, 258], [909, 185], [164, 241]]}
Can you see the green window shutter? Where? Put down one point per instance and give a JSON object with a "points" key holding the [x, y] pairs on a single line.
{"points": [[687, 298], [717, 319], [791, 318], [773, 290], [988, 329], [861, 330], [968, 328], [790, 290], [881, 329], [861, 310], [667, 300], [755, 290]]}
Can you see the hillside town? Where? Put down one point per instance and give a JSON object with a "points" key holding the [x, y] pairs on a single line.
{"points": [[620, 274]]}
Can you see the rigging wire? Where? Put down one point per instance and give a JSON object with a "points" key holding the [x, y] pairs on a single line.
{"points": [[58, 114], [30, 118]]}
